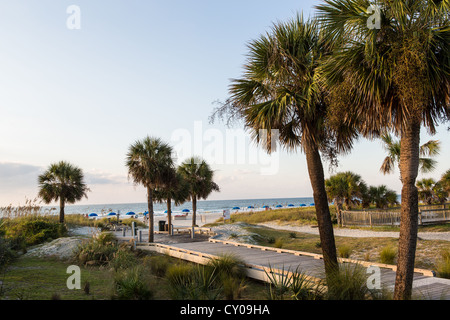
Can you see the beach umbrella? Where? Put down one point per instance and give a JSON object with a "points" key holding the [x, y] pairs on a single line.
{"points": [[291, 205], [131, 213], [112, 214], [186, 210], [312, 204], [145, 213], [279, 206], [266, 207], [303, 205], [251, 207], [165, 211], [93, 215], [236, 208]]}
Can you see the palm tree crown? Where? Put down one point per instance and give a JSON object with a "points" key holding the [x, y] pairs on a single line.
{"points": [[62, 182], [427, 150]]}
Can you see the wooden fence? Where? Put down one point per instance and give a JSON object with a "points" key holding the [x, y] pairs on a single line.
{"points": [[431, 214]]}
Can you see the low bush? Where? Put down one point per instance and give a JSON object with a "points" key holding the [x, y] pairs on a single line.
{"points": [[388, 255], [443, 265], [131, 284], [345, 251], [99, 250], [31, 230]]}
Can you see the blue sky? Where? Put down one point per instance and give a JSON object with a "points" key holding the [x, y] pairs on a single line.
{"points": [[137, 68]]}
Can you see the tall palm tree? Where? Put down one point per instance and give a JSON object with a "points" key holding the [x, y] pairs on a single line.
{"points": [[281, 92], [149, 163], [345, 189], [62, 182], [199, 177], [393, 147], [176, 190], [396, 77]]}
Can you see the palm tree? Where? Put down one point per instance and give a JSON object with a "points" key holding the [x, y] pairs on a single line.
{"points": [[427, 150], [394, 78], [176, 189], [345, 188], [199, 177], [425, 188], [281, 93], [149, 163], [64, 182], [382, 197], [445, 182]]}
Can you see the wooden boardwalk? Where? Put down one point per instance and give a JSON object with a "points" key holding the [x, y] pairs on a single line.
{"points": [[259, 260]]}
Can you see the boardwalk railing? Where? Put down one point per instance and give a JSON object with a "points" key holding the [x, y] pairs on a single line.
{"points": [[427, 215]]}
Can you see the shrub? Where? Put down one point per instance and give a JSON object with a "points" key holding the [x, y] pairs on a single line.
{"points": [[345, 251], [131, 284], [231, 274], [292, 285], [193, 283], [349, 282], [278, 243], [97, 251], [388, 255], [158, 264], [31, 230], [443, 265], [123, 258]]}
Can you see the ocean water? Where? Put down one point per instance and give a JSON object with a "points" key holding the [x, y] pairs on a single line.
{"points": [[203, 207]]}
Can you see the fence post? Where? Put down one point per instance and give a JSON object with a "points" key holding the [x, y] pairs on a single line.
{"points": [[370, 219], [420, 218]]}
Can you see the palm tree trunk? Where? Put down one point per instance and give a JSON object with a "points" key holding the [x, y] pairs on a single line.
{"points": [[326, 232], [194, 214], [409, 166], [62, 205], [151, 226], [169, 215]]}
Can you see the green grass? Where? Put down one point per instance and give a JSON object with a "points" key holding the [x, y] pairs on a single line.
{"points": [[39, 279]]}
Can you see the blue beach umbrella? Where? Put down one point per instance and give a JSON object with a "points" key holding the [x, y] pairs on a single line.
{"points": [[236, 208], [186, 210], [145, 213], [112, 214], [93, 215], [279, 206], [303, 205], [251, 207], [312, 204], [291, 205], [131, 213], [266, 207]]}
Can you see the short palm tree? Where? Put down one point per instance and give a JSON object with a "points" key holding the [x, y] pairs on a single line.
{"points": [[393, 147], [62, 182], [281, 97], [395, 77], [199, 177], [150, 163], [445, 182], [176, 190], [426, 192], [345, 189], [382, 196]]}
